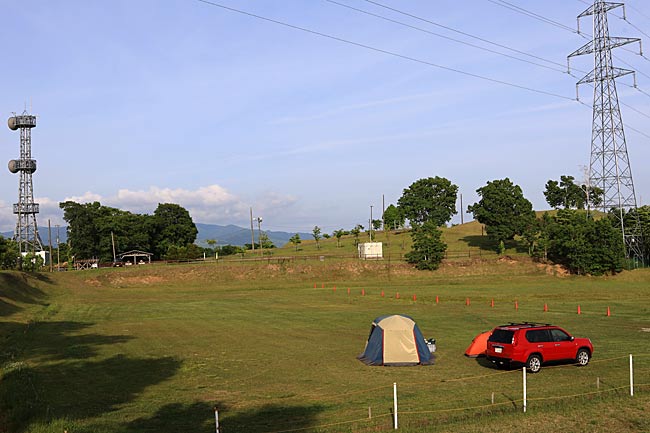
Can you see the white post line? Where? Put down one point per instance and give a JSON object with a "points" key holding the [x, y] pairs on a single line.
{"points": [[631, 377], [216, 419], [395, 405], [524, 371]]}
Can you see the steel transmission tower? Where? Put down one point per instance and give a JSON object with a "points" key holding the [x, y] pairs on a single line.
{"points": [[609, 166], [26, 233]]}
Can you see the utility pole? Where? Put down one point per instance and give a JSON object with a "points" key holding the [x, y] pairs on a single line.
{"points": [[609, 166], [252, 232], [259, 234], [58, 249], [462, 211], [370, 228]]}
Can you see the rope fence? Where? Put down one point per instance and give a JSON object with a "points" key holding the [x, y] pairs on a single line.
{"points": [[383, 402]]}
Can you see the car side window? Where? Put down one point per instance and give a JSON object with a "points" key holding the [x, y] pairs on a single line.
{"points": [[537, 336], [559, 335]]}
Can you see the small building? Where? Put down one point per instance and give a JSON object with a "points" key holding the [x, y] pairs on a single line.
{"points": [[370, 250], [136, 257]]}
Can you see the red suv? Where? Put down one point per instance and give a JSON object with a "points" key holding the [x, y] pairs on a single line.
{"points": [[532, 344]]}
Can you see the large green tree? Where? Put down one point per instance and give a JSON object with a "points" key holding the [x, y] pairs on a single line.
{"points": [[428, 249], [430, 199], [393, 218], [9, 253], [92, 229], [503, 209], [569, 195], [584, 245], [173, 226]]}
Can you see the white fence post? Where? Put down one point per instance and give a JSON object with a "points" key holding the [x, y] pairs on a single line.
{"points": [[524, 370], [631, 377], [216, 419], [395, 405]]}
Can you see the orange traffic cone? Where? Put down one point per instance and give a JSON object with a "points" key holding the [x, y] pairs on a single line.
{"points": [[579, 310], [492, 303], [382, 293], [415, 298], [363, 292], [517, 305], [608, 312], [545, 308], [467, 302], [437, 299], [397, 295]]}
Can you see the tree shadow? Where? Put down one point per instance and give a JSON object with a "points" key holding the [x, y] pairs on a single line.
{"points": [[176, 417], [481, 242], [77, 390], [54, 341], [16, 287], [485, 243], [49, 373], [273, 417]]}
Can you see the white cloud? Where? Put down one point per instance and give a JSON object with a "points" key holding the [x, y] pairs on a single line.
{"points": [[211, 204]]}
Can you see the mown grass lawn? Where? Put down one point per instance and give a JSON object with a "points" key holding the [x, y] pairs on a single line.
{"points": [[274, 346]]}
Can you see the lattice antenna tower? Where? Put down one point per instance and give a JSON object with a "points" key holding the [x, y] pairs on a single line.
{"points": [[26, 233], [609, 166]]}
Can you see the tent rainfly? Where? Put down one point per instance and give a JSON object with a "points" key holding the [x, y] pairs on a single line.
{"points": [[478, 347], [396, 341]]}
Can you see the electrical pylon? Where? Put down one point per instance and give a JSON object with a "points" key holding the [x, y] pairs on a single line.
{"points": [[609, 166], [26, 233]]}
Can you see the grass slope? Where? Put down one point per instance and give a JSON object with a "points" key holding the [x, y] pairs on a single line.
{"points": [[155, 348]]}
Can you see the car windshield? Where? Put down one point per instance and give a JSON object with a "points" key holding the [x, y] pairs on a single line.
{"points": [[501, 336]]}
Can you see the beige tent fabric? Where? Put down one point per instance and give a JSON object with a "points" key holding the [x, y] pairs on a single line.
{"points": [[399, 343]]}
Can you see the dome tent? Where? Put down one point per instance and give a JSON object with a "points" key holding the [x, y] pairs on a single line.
{"points": [[396, 340], [479, 345]]}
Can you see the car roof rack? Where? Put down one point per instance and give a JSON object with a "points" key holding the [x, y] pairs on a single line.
{"points": [[531, 324]]}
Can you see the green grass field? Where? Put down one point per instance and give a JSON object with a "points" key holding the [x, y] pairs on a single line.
{"points": [[273, 346]]}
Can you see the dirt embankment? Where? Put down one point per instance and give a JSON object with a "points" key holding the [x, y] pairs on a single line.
{"points": [[314, 270]]}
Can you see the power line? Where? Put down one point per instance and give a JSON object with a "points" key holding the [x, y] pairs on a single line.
{"points": [[445, 37], [390, 53], [451, 29], [531, 14], [638, 11]]}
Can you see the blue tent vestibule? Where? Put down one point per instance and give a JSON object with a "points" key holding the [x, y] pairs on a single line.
{"points": [[396, 340]]}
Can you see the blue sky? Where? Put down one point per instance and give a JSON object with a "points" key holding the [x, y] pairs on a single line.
{"points": [[143, 102]]}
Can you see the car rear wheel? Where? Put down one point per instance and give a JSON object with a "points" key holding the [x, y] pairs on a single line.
{"points": [[582, 358], [534, 363]]}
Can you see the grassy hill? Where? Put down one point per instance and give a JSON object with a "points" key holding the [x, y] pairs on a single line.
{"points": [[273, 345]]}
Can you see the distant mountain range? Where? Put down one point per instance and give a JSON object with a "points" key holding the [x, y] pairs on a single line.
{"points": [[235, 235], [224, 235]]}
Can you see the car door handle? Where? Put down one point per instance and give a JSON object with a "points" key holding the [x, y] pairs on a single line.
{"points": [[557, 344], [540, 345]]}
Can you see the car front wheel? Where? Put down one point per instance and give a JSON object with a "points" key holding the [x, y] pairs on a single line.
{"points": [[534, 363], [582, 358]]}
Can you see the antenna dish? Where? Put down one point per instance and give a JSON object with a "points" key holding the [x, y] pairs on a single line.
{"points": [[21, 121], [13, 166]]}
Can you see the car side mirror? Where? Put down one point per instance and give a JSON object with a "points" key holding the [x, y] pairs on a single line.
{"points": [[572, 338]]}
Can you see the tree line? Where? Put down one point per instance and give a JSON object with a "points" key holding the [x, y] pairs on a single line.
{"points": [[584, 242]]}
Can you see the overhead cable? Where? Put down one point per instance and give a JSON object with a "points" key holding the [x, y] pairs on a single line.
{"points": [[469, 35], [390, 53], [445, 37]]}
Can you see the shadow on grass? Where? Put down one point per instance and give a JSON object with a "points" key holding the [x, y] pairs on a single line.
{"points": [[272, 417], [53, 341], [51, 373], [176, 417], [16, 287], [76, 390], [485, 243], [199, 416]]}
